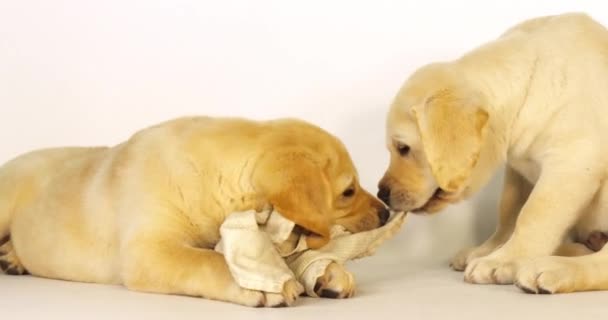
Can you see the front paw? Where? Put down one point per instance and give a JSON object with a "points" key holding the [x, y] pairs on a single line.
{"points": [[335, 283], [291, 291], [464, 257], [492, 269], [549, 275]]}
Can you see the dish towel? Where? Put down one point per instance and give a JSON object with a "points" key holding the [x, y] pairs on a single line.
{"points": [[263, 251]]}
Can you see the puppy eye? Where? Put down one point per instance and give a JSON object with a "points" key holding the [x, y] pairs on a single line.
{"points": [[403, 149], [348, 192]]}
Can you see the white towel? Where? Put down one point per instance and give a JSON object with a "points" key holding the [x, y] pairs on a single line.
{"points": [[263, 252]]}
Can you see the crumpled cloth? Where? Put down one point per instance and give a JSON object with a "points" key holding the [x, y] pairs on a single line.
{"points": [[263, 251]]}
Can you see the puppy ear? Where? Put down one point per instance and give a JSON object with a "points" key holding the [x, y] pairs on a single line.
{"points": [[295, 186], [452, 129]]}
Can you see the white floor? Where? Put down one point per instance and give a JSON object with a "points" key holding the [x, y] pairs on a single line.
{"points": [[393, 290]]}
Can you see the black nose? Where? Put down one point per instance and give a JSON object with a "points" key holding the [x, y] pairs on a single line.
{"points": [[383, 214], [384, 194]]}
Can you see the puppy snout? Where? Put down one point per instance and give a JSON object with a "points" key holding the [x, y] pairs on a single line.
{"points": [[384, 194], [383, 215]]}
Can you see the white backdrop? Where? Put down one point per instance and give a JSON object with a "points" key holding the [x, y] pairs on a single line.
{"points": [[79, 72]]}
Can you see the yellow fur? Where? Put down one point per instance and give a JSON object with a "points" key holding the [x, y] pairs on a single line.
{"points": [[146, 213], [535, 98]]}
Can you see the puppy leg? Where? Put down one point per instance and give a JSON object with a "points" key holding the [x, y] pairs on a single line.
{"points": [[572, 249], [168, 265], [552, 208], [564, 274], [335, 283], [514, 194]]}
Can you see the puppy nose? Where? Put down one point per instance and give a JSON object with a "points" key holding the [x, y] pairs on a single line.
{"points": [[383, 214], [384, 194]]}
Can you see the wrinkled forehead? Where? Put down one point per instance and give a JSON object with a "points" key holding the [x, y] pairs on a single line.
{"points": [[401, 126], [340, 165], [346, 179]]}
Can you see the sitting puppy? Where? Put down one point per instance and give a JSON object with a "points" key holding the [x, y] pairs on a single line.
{"points": [[537, 99], [146, 213]]}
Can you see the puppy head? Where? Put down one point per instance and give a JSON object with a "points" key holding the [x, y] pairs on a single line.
{"points": [[436, 131], [308, 176]]}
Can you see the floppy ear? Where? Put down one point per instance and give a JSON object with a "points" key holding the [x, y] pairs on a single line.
{"points": [[294, 184], [452, 130]]}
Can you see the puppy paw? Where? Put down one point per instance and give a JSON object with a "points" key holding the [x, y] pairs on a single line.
{"points": [[291, 291], [464, 257], [335, 283], [9, 263], [260, 299], [492, 269], [548, 275]]}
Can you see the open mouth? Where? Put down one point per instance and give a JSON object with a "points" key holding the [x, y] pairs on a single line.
{"points": [[438, 197]]}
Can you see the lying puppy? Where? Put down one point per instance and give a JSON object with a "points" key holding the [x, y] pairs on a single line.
{"points": [[537, 99], [146, 213]]}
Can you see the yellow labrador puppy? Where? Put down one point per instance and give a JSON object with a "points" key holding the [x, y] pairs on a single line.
{"points": [[146, 213], [537, 99]]}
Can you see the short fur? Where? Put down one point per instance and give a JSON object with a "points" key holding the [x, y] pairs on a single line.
{"points": [[537, 99], [146, 213]]}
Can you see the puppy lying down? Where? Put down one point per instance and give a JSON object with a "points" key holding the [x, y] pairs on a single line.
{"points": [[147, 213], [264, 250]]}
